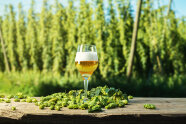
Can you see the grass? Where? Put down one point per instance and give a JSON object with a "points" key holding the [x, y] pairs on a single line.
{"points": [[42, 84]]}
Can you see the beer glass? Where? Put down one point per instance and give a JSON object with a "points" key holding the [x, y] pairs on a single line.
{"points": [[86, 62]]}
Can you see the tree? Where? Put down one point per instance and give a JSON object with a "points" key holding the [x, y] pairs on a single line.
{"points": [[45, 45], [48, 40], [85, 23], [12, 40], [57, 40], [100, 35], [111, 67], [20, 26], [71, 45], [4, 53], [4, 39], [31, 40]]}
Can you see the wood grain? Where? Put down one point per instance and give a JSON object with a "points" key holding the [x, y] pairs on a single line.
{"points": [[168, 110]]}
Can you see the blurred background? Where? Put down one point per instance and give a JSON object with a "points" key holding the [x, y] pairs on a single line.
{"points": [[39, 41]]}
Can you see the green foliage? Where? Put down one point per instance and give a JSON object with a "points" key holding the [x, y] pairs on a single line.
{"points": [[46, 42], [53, 34]]}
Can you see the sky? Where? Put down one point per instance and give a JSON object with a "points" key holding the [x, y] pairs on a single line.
{"points": [[179, 6]]}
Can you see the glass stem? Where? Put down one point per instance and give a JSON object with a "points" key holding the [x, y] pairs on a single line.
{"points": [[86, 86]]}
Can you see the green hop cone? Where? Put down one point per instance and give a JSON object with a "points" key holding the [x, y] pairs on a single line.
{"points": [[29, 100], [10, 96], [46, 104], [23, 100], [59, 103], [96, 108], [16, 100], [51, 103], [8, 101], [13, 108], [83, 106], [121, 104], [149, 106], [2, 96], [125, 102], [38, 103], [34, 100], [52, 107], [57, 108], [64, 104], [1, 99], [21, 97], [73, 106], [41, 106], [111, 105], [70, 106], [130, 97]]}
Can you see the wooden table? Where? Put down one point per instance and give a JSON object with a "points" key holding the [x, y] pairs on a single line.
{"points": [[169, 110]]}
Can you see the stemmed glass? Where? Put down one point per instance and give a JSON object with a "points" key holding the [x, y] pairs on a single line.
{"points": [[86, 62]]}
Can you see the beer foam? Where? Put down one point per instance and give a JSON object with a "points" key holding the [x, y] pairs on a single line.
{"points": [[86, 56]]}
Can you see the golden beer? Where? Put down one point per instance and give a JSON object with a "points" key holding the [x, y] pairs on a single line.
{"points": [[86, 61], [86, 68]]}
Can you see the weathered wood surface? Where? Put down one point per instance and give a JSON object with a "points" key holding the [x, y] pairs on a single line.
{"points": [[169, 110]]}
